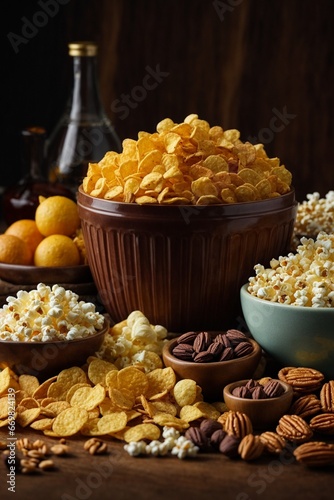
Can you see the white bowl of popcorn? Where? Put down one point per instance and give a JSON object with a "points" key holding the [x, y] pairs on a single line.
{"points": [[48, 329], [289, 307]]}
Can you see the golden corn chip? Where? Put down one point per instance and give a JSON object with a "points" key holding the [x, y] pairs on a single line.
{"points": [[182, 129], [203, 186], [236, 180], [208, 410], [56, 407], [4, 423], [282, 173], [4, 407], [72, 390], [216, 133], [145, 200], [208, 199], [184, 392], [19, 395], [144, 145], [69, 421], [28, 384], [198, 171], [171, 141], [89, 182], [7, 380], [149, 161], [133, 379], [164, 407], [153, 181], [190, 413], [250, 176], [147, 406], [281, 186], [128, 167], [177, 200], [132, 415], [43, 402], [131, 187], [246, 153], [88, 397], [95, 412], [158, 396], [129, 146], [108, 172], [232, 135], [111, 379], [73, 375], [159, 380], [90, 428], [112, 422], [58, 390], [245, 193], [123, 399], [100, 189], [114, 193], [142, 432], [216, 163], [107, 406], [42, 391], [27, 416], [173, 174], [168, 420], [228, 195], [264, 188], [169, 161], [95, 168], [29, 402], [42, 424], [98, 369], [109, 158], [165, 125]]}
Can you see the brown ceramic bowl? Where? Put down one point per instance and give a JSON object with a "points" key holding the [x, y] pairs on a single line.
{"points": [[182, 266], [263, 413], [45, 359], [32, 275], [213, 376]]}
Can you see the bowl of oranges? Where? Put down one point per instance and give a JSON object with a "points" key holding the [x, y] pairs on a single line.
{"points": [[47, 249]]}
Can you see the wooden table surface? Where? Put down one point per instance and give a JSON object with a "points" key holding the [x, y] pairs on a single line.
{"points": [[116, 475]]}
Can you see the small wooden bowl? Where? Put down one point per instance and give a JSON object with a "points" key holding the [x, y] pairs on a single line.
{"points": [[263, 413], [45, 359], [213, 376]]}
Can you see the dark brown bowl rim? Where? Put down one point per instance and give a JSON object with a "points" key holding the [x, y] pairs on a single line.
{"points": [[288, 391], [103, 331], [21, 267], [166, 351], [245, 206]]}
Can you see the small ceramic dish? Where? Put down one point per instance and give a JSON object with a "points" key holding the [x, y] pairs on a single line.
{"points": [[264, 413], [213, 376], [46, 359]]}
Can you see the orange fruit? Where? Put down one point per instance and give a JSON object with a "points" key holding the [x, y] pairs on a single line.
{"points": [[26, 229], [57, 250], [57, 215], [13, 250]]}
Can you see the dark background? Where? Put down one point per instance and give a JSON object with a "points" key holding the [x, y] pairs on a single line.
{"points": [[263, 66]]}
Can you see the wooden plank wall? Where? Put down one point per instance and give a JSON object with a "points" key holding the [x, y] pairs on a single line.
{"points": [[265, 67]]}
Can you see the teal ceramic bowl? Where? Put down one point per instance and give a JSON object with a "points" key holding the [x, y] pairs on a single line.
{"points": [[292, 335]]}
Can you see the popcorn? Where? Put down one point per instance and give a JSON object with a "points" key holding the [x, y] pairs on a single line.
{"points": [[302, 279], [134, 342], [48, 314], [184, 448]]}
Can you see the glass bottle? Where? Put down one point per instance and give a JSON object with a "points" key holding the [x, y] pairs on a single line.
{"points": [[84, 133], [20, 200]]}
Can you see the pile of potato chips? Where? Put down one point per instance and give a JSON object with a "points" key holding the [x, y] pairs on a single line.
{"points": [[187, 163], [100, 400]]}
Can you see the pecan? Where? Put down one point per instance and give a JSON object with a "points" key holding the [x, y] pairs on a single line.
{"points": [[294, 428], [306, 406], [242, 392], [258, 393], [222, 338], [243, 349], [183, 351], [238, 424], [273, 389], [251, 447], [197, 437], [187, 338], [227, 354], [209, 426], [203, 357], [216, 349], [315, 454], [229, 446], [323, 423], [217, 437], [95, 446], [201, 342], [303, 380], [236, 336], [273, 442], [327, 397]]}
